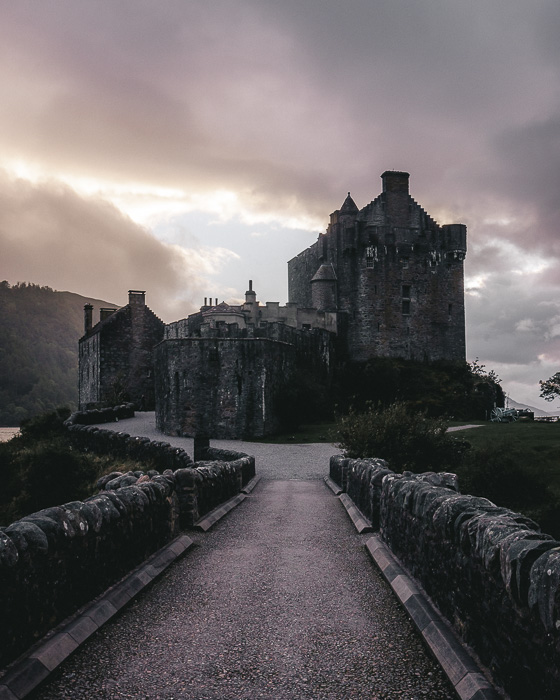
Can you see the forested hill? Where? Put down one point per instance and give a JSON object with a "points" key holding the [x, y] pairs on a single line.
{"points": [[39, 332]]}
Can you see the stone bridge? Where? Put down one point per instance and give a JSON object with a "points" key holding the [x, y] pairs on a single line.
{"points": [[280, 599]]}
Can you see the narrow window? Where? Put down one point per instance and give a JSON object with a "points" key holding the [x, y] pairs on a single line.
{"points": [[450, 309], [406, 307], [406, 291]]}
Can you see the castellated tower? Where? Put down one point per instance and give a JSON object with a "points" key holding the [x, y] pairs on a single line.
{"points": [[393, 275]]}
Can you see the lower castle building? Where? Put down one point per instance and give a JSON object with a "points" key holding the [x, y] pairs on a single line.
{"points": [[383, 281]]}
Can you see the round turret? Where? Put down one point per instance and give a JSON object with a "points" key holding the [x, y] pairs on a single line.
{"points": [[323, 288]]}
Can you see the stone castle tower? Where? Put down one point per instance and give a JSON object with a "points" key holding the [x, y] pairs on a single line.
{"points": [[393, 276]]}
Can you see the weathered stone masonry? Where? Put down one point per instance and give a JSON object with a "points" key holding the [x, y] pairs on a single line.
{"points": [[58, 559], [227, 382], [393, 275], [117, 354], [491, 572]]}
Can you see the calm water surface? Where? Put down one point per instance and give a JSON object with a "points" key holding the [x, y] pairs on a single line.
{"points": [[7, 433]]}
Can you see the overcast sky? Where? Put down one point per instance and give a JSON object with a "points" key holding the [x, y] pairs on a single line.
{"points": [[184, 147]]}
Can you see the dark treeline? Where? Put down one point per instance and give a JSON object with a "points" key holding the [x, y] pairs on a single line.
{"points": [[39, 332]]}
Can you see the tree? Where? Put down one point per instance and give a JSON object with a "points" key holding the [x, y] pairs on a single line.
{"points": [[550, 388]]}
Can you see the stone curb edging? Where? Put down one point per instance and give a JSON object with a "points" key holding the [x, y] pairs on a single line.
{"points": [[250, 485], [334, 487], [25, 674], [461, 669], [211, 518], [361, 523]]}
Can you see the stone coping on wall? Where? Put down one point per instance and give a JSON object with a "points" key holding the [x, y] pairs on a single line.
{"points": [[464, 673], [22, 676], [101, 415], [492, 573]]}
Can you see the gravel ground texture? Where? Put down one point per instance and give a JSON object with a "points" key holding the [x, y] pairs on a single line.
{"points": [[278, 601], [310, 461]]}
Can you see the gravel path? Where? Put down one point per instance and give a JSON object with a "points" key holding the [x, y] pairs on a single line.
{"points": [[310, 461], [278, 601]]}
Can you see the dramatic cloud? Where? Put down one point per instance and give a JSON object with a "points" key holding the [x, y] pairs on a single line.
{"points": [[50, 235], [263, 114]]}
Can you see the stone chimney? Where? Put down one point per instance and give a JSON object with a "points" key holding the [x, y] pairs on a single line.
{"points": [[136, 298], [88, 318], [105, 313], [250, 295]]}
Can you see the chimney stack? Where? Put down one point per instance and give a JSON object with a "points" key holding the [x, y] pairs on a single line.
{"points": [[105, 313], [250, 295], [136, 297], [397, 199], [88, 318]]}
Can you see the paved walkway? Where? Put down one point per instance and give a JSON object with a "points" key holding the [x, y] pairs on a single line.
{"points": [[278, 601]]}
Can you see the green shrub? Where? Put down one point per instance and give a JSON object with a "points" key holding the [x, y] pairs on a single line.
{"points": [[44, 426], [407, 440], [40, 468], [45, 474]]}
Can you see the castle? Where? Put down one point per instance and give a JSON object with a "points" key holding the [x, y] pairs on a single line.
{"points": [[383, 281]]}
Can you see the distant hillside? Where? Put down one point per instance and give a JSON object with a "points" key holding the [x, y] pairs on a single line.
{"points": [[39, 332], [537, 411]]}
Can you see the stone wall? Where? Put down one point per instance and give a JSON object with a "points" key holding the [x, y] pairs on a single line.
{"points": [[231, 383], [101, 415], [399, 277], [54, 561], [491, 571], [200, 486], [115, 356]]}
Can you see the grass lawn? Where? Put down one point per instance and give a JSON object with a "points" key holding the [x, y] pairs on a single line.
{"points": [[539, 443]]}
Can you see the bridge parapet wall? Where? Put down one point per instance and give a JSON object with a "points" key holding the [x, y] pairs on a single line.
{"points": [[491, 572], [54, 561]]}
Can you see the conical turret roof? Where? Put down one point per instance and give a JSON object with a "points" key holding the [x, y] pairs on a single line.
{"points": [[325, 272], [349, 206]]}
